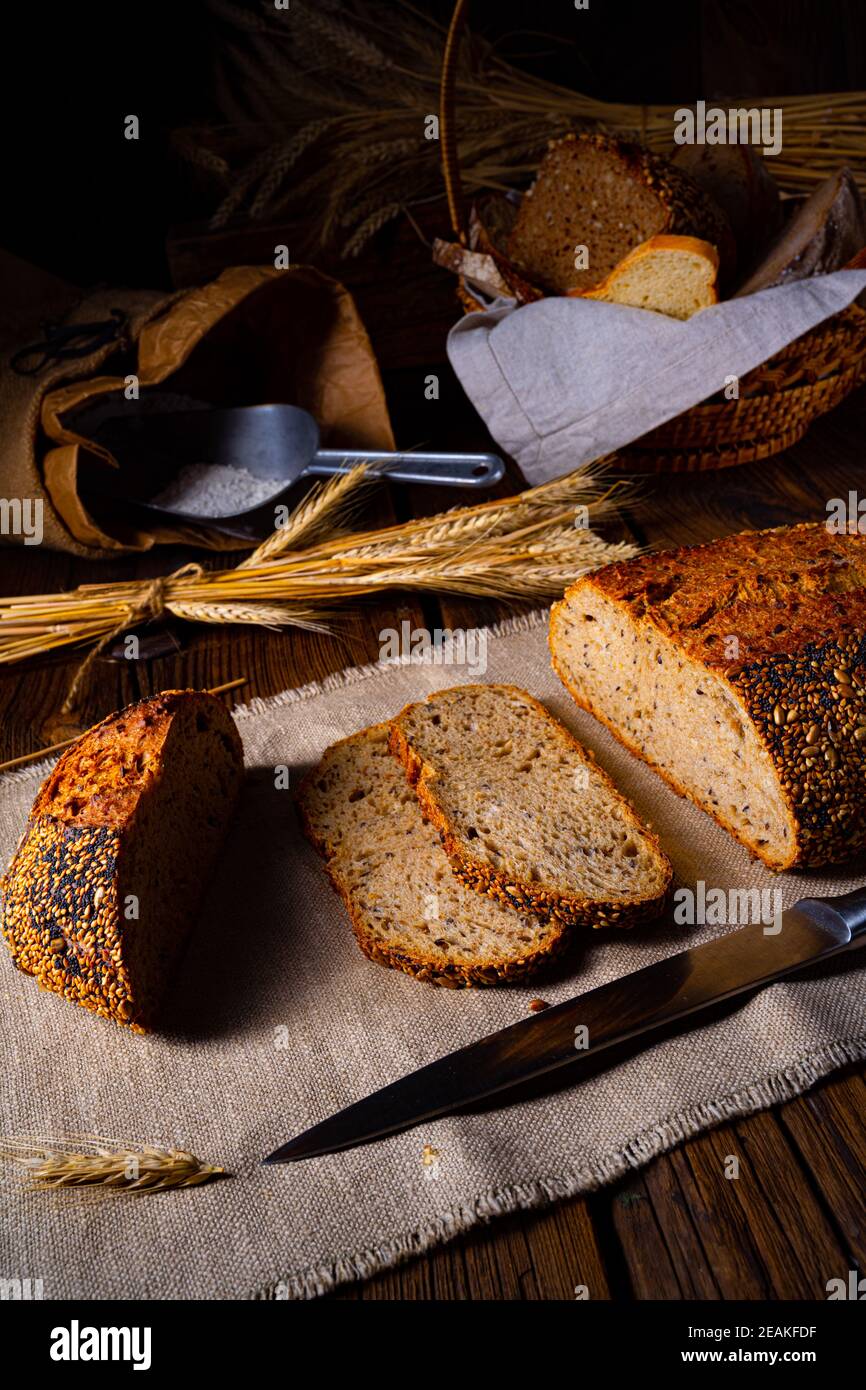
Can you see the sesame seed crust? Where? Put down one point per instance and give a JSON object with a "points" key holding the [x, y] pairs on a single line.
{"points": [[61, 916], [809, 710], [96, 837]]}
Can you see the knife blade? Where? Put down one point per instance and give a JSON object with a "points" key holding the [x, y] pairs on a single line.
{"points": [[684, 984]]}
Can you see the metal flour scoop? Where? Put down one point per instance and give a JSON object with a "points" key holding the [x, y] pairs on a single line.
{"points": [[273, 442]]}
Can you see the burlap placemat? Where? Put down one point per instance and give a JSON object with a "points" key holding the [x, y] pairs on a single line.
{"points": [[281, 1021]]}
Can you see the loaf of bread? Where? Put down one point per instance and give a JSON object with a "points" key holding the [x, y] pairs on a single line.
{"points": [[739, 182], [606, 195], [820, 237], [737, 670], [524, 813], [673, 275], [104, 886], [406, 907]]}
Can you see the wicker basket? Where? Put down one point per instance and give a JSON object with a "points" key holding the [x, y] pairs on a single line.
{"points": [[777, 401]]}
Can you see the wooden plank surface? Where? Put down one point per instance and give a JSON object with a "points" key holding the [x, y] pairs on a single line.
{"points": [[795, 1217]]}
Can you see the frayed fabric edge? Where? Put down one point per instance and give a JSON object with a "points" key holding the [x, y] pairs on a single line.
{"points": [[349, 675], [774, 1089], [353, 675]]}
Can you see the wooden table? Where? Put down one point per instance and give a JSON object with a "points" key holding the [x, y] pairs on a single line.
{"points": [[678, 1229]]}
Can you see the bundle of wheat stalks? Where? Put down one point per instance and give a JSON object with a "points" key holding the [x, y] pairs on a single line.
{"points": [[524, 547], [335, 140]]}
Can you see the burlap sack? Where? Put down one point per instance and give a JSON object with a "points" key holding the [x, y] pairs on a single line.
{"points": [[255, 334]]}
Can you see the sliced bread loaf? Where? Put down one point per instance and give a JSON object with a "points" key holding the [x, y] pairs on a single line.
{"points": [[406, 907], [738, 671], [673, 275], [606, 195], [104, 886], [524, 813]]}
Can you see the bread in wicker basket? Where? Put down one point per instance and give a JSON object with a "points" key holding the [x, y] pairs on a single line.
{"points": [[776, 402]]}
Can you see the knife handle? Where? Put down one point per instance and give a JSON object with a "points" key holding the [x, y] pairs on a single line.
{"points": [[851, 907]]}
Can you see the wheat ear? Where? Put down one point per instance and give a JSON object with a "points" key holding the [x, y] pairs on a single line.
{"points": [[326, 506], [89, 1161]]}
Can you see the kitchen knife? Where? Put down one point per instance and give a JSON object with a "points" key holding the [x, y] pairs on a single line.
{"points": [[813, 930]]}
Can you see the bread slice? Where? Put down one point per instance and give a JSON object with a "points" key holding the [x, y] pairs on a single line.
{"points": [[524, 813], [407, 909], [609, 196], [737, 670], [673, 275], [820, 237], [103, 889]]}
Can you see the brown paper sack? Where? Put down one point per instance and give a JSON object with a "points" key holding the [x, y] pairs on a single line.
{"points": [[254, 335]]}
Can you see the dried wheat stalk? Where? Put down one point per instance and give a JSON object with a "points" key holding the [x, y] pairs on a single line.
{"points": [[524, 547], [88, 1161], [339, 149], [326, 509]]}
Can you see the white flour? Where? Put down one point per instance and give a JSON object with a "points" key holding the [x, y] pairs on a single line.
{"points": [[213, 489]]}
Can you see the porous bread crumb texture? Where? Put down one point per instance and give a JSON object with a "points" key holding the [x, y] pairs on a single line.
{"points": [[737, 670], [608, 195], [407, 908], [524, 813], [670, 275], [133, 813]]}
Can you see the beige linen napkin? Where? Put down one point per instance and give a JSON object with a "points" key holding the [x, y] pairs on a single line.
{"points": [[563, 381], [278, 1021]]}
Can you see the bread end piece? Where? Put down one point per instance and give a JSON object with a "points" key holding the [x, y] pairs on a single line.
{"points": [[105, 883]]}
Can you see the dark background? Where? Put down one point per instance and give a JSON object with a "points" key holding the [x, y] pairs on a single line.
{"points": [[86, 203]]}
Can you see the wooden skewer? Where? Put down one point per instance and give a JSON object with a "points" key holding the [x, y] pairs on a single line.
{"points": [[36, 753], [228, 685], [68, 742]]}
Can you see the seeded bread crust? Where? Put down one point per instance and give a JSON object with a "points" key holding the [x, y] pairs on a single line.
{"points": [[571, 910], [795, 599], [421, 964], [63, 911], [541, 242]]}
